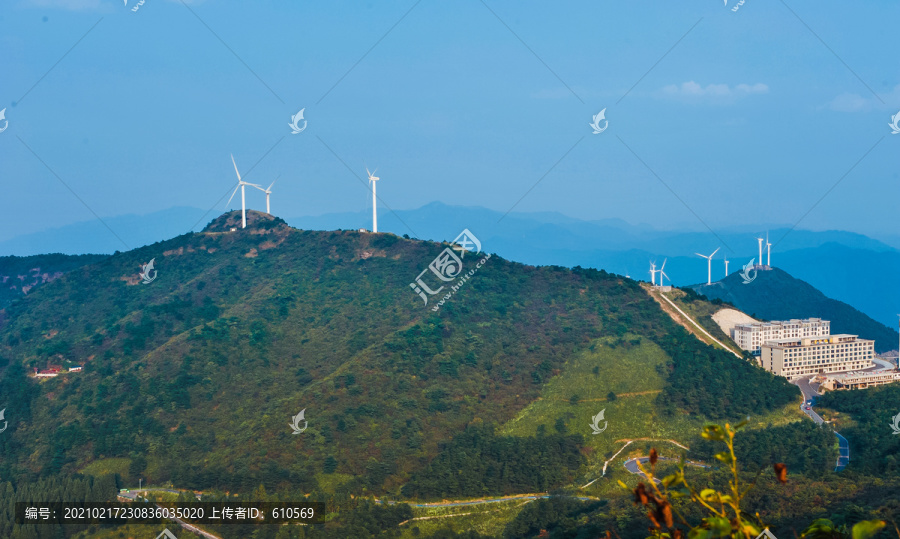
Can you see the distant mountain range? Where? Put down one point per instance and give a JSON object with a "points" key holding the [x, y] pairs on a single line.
{"points": [[846, 266], [775, 295]]}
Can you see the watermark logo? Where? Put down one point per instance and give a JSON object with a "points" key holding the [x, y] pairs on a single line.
{"points": [[295, 422], [166, 534], [749, 269], [895, 426], [448, 267], [137, 6], [766, 534], [5, 423], [145, 272], [295, 122], [735, 8], [595, 425], [599, 117], [6, 122], [895, 119]]}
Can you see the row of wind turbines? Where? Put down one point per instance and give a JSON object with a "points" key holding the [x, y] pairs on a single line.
{"points": [[709, 258], [242, 185]]}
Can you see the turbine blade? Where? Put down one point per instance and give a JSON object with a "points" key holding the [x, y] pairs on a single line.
{"points": [[714, 252], [235, 168], [273, 183], [233, 193]]}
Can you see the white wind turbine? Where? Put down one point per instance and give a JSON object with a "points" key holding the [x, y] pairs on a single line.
{"points": [[726, 266], [241, 185], [267, 191], [760, 240], [372, 180], [653, 272], [769, 249], [662, 273], [709, 264]]}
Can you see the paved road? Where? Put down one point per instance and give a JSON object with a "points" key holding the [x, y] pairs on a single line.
{"points": [[811, 395]]}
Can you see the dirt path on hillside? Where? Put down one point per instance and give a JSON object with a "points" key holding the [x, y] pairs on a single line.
{"points": [[688, 323]]}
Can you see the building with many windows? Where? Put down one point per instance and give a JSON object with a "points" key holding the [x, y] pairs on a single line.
{"points": [[752, 336], [800, 356], [860, 380]]}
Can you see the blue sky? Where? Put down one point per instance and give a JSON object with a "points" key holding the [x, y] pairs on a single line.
{"points": [[748, 117]]}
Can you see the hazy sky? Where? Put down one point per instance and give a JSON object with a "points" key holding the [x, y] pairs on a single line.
{"points": [[749, 116]]}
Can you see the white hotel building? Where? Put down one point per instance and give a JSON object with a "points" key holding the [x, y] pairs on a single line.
{"points": [[751, 337], [813, 355]]}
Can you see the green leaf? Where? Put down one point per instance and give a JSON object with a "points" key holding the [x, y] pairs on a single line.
{"points": [[724, 456], [700, 533], [709, 495], [673, 479], [713, 432], [867, 529], [721, 527]]}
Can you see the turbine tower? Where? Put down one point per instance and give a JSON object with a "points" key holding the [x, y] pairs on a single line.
{"points": [[709, 264], [268, 191], [769, 249], [653, 271], [241, 185], [760, 240], [372, 180], [662, 273], [726, 266]]}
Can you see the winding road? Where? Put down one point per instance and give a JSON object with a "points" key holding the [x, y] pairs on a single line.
{"points": [[809, 399]]}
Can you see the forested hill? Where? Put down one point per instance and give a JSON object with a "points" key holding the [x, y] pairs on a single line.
{"points": [[194, 377], [776, 295], [20, 275]]}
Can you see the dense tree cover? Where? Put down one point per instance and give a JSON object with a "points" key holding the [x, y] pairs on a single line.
{"points": [[33, 268], [195, 377], [713, 383], [478, 462], [70, 489], [874, 447], [559, 517], [803, 446]]}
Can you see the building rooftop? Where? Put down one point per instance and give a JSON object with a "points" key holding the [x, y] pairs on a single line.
{"points": [[828, 339]]}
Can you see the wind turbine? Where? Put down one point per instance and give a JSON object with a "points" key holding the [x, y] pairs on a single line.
{"points": [[760, 240], [372, 180], [268, 191], [662, 273], [726, 266], [709, 264], [769, 249], [653, 271], [241, 184]]}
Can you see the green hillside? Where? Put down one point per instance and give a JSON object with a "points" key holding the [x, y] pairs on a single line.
{"points": [[775, 295], [193, 378], [20, 275]]}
